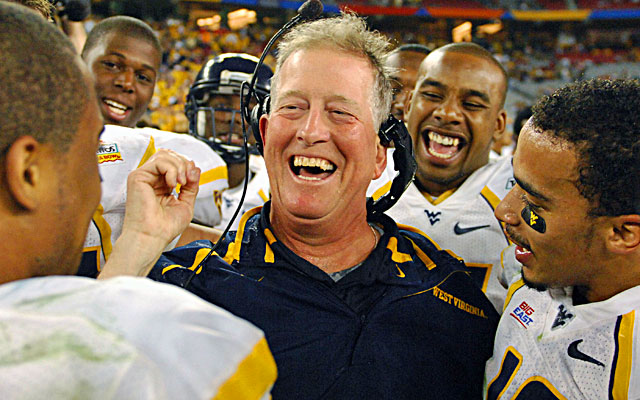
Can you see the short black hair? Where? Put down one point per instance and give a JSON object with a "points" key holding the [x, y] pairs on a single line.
{"points": [[600, 118], [521, 118], [43, 90], [415, 47], [44, 7], [128, 26], [478, 51]]}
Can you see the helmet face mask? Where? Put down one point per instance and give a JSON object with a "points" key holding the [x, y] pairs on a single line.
{"points": [[213, 103]]}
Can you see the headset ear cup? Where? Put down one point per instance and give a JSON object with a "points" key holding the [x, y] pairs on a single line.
{"points": [[258, 110], [394, 130]]}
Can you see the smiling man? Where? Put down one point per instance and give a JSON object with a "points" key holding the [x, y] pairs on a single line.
{"points": [[352, 306], [72, 337], [123, 55], [570, 326], [454, 115]]}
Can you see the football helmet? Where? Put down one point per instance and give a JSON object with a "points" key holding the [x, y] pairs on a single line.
{"points": [[213, 102]]}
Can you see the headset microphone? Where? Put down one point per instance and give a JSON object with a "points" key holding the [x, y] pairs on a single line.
{"points": [[308, 10], [392, 130]]}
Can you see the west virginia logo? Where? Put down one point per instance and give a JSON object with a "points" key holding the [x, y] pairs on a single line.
{"points": [[433, 216], [532, 219], [562, 318], [510, 184]]}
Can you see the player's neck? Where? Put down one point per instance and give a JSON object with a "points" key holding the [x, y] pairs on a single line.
{"points": [[435, 189], [619, 275], [235, 174]]}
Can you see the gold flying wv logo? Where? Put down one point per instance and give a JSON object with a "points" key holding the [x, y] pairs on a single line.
{"points": [[532, 218]]}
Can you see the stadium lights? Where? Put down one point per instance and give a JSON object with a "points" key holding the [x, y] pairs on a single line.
{"points": [[240, 18], [212, 23], [462, 32], [490, 29]]}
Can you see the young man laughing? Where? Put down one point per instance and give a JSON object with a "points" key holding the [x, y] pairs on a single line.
{"points": [[570, 325]]}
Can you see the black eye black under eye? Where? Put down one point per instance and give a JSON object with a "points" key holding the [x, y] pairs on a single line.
{"points": [[532, 219]]}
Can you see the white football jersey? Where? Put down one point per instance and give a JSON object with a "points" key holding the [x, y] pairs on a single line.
{"points": [[121, 151], [213, 176], [461, 220], [548, 348], [125, 338], [257, 193]]}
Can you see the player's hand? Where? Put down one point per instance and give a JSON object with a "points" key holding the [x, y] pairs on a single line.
{"points": [[154, 216], [152, 209]]}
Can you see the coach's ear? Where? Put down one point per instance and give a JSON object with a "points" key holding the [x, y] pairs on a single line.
{"points": [[263, 124], [624, 234], [23, 165]]}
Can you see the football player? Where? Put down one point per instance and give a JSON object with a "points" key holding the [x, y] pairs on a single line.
{"points": [[405, 60], [72, 337], [123, 55], [213, 109], [570, 327], [453, 116]]}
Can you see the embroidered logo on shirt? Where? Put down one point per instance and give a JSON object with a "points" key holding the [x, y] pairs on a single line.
{"points": [[562, 318], [109, 152], [578, 355], [458, 230], [433, 216], [523, 314]]}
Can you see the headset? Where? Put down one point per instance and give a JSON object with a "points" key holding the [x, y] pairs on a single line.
{"points": [[391, 131]]}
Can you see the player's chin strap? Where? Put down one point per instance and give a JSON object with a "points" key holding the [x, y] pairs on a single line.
{"points": [[393, 130]]}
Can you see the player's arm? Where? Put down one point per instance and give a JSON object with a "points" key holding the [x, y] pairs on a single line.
{"points": [[154, 216], [198, 232]]}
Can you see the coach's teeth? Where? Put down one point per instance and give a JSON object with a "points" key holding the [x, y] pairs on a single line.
{"points": [[301, 161], [443, 140]]}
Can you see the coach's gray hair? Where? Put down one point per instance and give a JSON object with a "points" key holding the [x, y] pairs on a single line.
{"points": [[347, 33]]}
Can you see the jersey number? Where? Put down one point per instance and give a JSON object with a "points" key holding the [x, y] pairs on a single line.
{"points": [[534, 388]]}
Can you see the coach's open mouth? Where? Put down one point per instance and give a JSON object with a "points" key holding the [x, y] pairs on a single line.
{"points": [[311, 168]]}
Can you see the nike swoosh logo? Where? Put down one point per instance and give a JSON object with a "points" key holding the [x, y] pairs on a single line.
{"points": [[400, 274], [461, 231], [578, 355]]}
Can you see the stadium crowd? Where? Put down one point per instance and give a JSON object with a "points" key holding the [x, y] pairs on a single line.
{"points": [[537, 60]]}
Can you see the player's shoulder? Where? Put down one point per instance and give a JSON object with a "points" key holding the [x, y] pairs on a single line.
{"points": [[121, 145], [187, 145], [427, 249], [497, 176]]}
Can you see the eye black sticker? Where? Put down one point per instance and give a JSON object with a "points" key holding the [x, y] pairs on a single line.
{"points": [[533, 220]]}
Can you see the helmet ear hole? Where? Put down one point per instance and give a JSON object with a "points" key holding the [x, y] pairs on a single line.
{"points": [[256, 113]]}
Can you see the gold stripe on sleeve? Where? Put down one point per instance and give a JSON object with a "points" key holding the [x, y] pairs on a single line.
{"points": [[253, 378], [213, 174], [512, 289], [622, 377], [105, 232], [491, 198], [381, 191], [151, 150]]}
